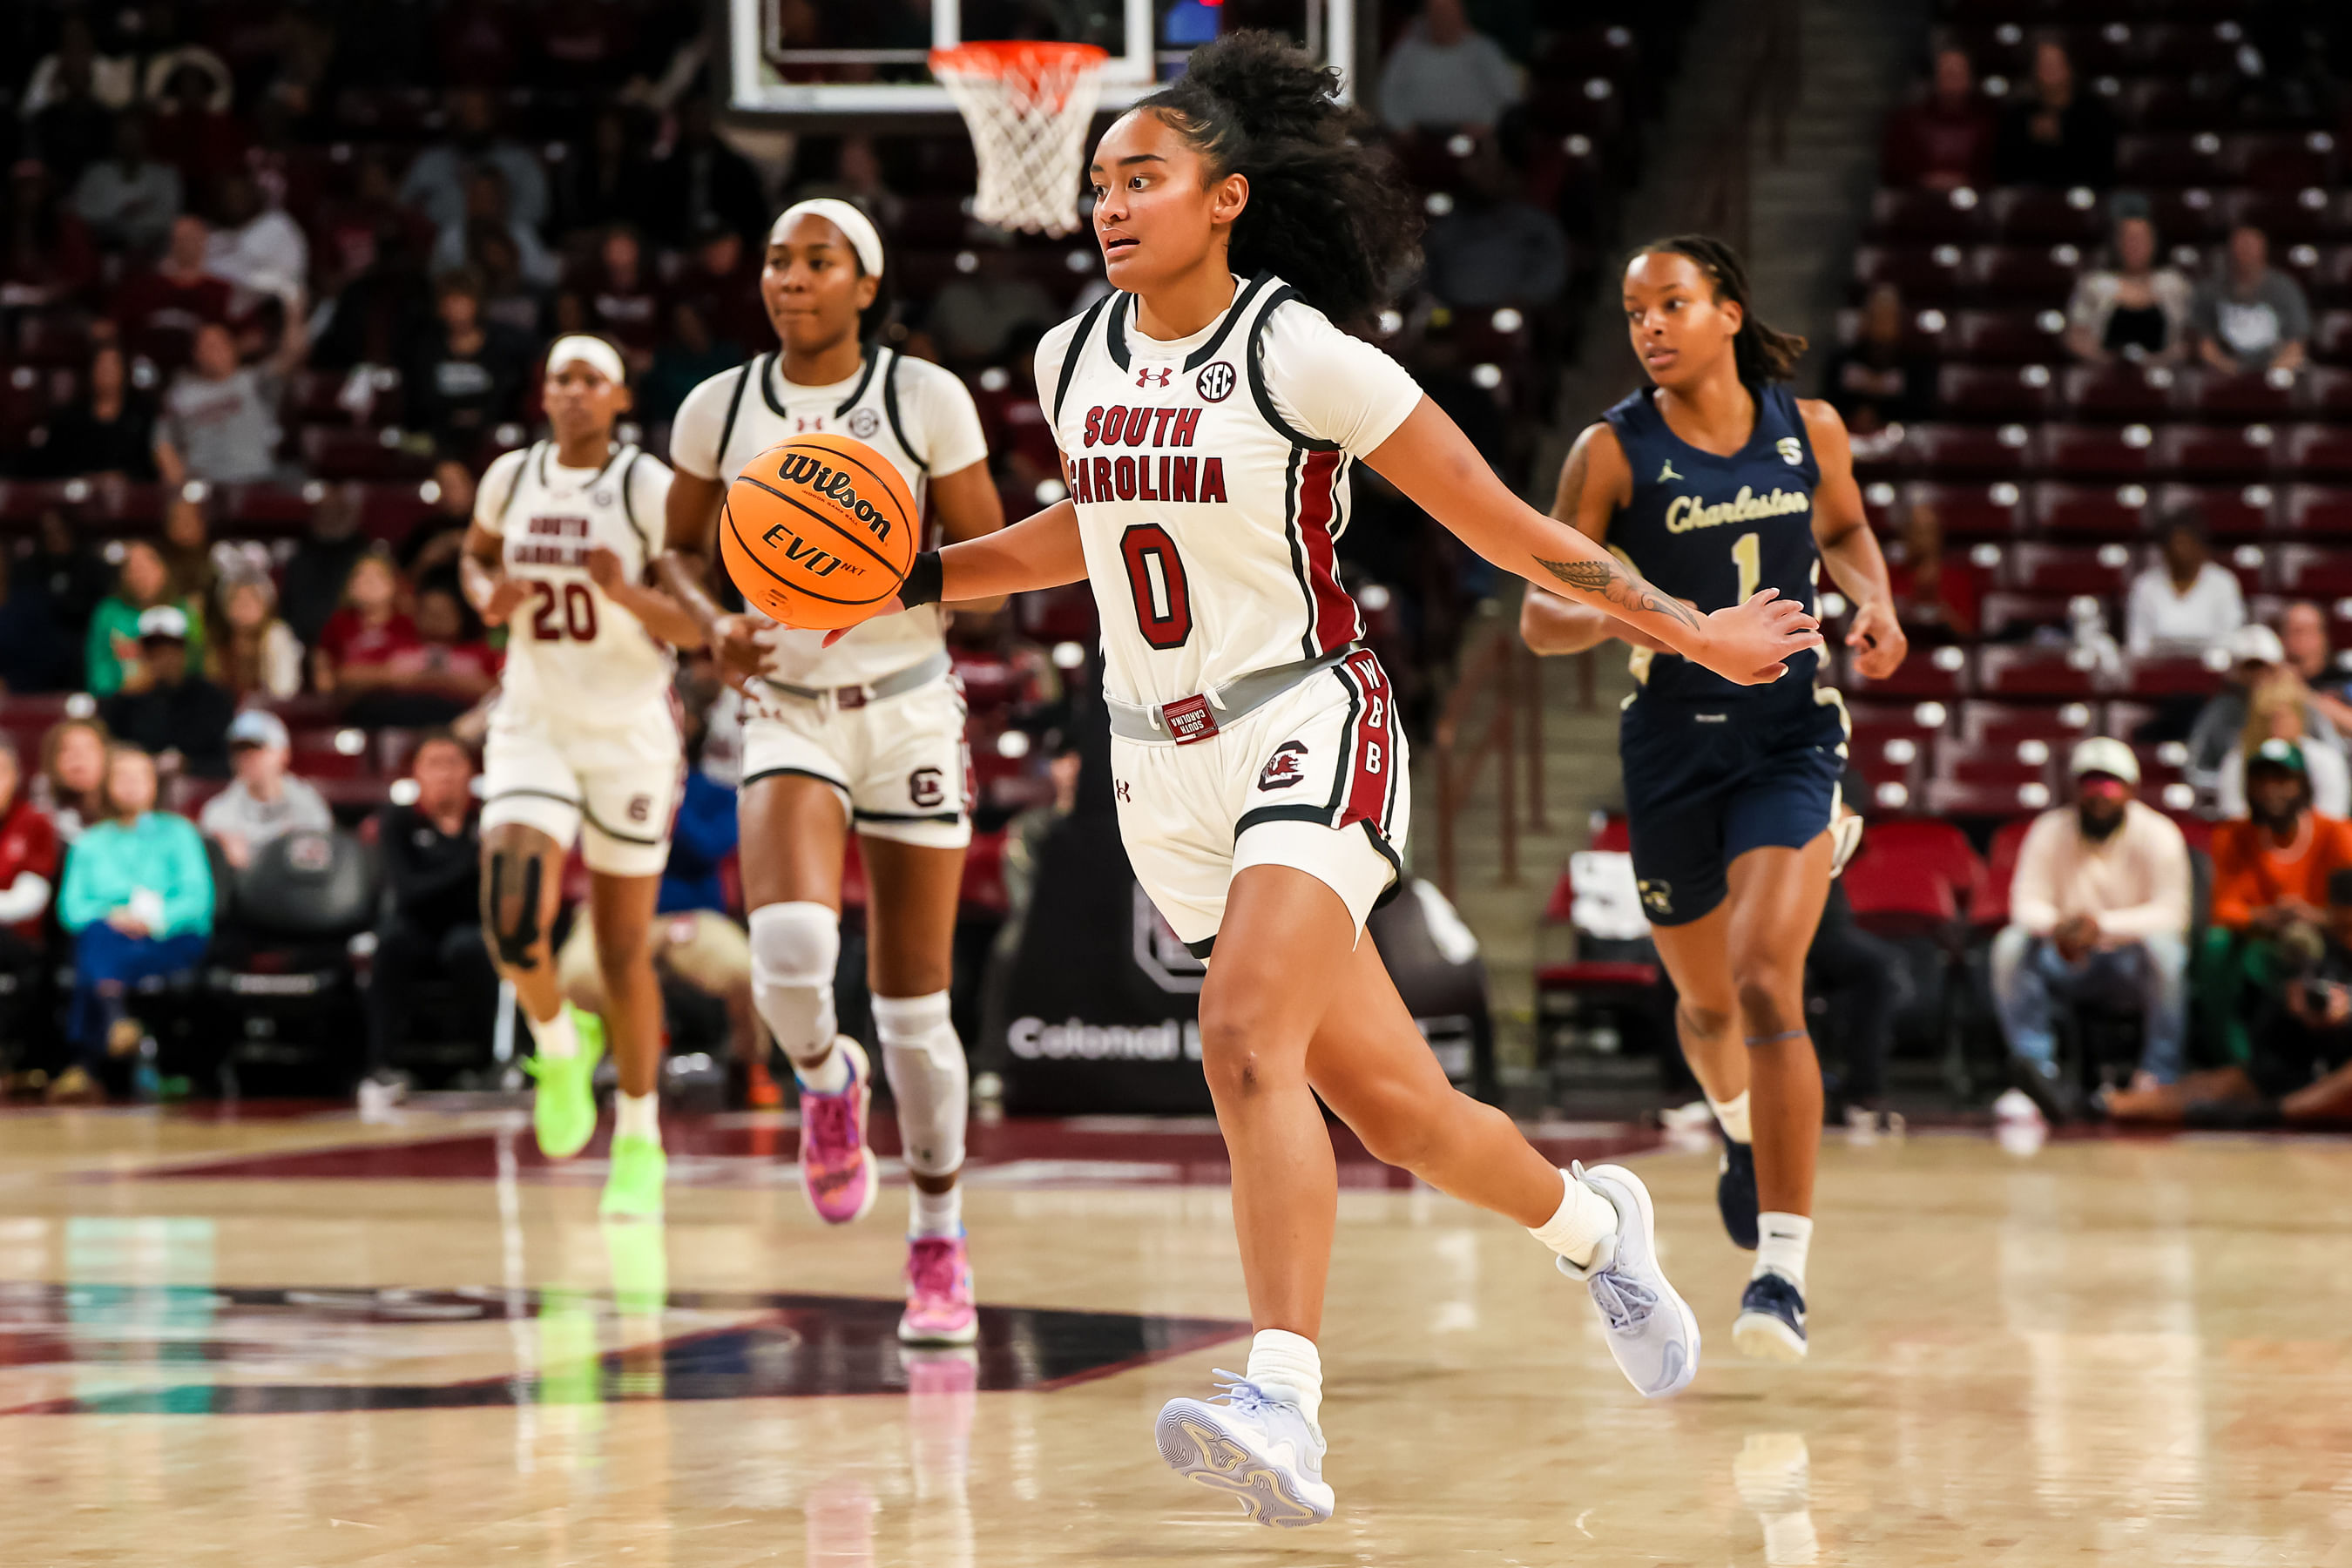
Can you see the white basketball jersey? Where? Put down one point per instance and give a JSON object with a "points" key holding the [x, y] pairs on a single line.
{"points": [[572, 652], [1208, 522], [764, 408]]}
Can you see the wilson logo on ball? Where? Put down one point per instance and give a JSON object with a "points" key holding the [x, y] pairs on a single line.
{"points": [[818, 531]]}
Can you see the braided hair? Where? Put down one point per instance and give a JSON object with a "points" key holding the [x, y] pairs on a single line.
{"points": [[1762, 353], [1327, 212]]}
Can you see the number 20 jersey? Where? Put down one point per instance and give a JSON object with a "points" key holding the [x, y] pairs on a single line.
{"points": [[574, 656], [1209, 523]]}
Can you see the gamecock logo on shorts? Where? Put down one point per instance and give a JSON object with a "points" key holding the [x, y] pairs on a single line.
{"points": [[1216, 382], [1282, 770], [925, 787], [641, 806]]}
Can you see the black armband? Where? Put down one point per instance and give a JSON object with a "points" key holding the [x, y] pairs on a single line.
{"points": [[923, 580]]}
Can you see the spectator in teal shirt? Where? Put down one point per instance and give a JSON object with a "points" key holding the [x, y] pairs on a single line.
{"points": [[138, 898], [110, 652]]}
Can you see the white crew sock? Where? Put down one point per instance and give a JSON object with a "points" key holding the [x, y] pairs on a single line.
{"points": [[1733, 1114], [935, 1214], [829, 1074], [1583, 1217], [637, 1116], [1289, 1360], [1781, 1241], [554, 1037]]}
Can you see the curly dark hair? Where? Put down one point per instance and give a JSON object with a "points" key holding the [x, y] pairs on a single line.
{"points": [[1327, 210], [1762, 353]]}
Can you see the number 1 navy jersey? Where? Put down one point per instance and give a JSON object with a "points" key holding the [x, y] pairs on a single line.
{"points": [[1714, 530], [1211, 479]]}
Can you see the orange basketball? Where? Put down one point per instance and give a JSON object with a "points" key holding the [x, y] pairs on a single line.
{"points": [[818, 529]]}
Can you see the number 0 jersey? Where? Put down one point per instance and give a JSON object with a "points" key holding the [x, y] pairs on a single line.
{"points": [[1714, 530], [1211, 479], [571, 653]]}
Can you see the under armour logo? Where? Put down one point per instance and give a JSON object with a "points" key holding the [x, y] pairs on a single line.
{"points": [[1666, 471], [1120, 786], [807, 422], [1143, 377]]}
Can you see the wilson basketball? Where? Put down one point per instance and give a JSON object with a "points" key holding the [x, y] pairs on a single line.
{"points": [[818, 529]]}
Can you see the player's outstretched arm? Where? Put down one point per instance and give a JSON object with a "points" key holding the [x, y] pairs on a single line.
{"points": [[969, 508], [1841, 533], [1041, 550], [1431, 460], [1593, 483]]}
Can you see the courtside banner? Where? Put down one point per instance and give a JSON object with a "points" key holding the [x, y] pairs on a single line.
{"points": [[1099, 1010]]}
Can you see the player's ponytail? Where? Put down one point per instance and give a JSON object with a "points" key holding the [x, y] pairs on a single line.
{"points": [[1328, 213], [1762, 353]]}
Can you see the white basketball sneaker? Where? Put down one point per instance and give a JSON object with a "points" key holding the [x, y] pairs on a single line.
{"points": [[1652, 1332], [1254, 1442]]}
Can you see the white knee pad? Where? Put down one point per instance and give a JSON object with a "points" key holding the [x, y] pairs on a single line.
{"points": [[929, 1079], [794, 951]]}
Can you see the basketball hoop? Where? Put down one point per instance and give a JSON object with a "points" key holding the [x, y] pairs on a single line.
{"points": [[1028, 106]]}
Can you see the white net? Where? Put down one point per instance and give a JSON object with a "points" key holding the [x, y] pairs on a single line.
{"points": [[1028, 106]]}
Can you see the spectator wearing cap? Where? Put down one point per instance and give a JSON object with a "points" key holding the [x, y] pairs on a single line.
{"points": [[2251, 317], [430, 925], [2187, 601], [220, 416], [2056, 134], [2133, 308], [2296, 1063], [2099, 910], [175, 714], [110, 647], [266, 800], [2276, 715], [1944, 140], [1444, 73], [2272, 859], [138, 899]]}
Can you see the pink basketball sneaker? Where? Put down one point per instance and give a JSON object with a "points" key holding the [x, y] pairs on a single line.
{"points": [[940, 1310], [836, 1167]]}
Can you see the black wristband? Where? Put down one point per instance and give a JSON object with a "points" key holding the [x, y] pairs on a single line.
{"points": [[923, 580]]}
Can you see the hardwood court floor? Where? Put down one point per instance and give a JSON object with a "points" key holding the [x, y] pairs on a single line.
{"points": [[298, 1340]]}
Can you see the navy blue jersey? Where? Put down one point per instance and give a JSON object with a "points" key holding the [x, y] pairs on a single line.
{"points": [[1715, 530]]}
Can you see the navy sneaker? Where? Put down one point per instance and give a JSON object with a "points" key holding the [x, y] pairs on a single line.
{"points": [[1735, 1191], [1771, 1323]]}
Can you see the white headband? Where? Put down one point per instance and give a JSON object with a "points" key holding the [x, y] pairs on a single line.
{"points": [[855, 225], [595, 352]]}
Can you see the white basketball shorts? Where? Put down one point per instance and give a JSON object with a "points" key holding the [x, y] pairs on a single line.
{"points": [[1315, 780], [899, 765], [615, 790]]}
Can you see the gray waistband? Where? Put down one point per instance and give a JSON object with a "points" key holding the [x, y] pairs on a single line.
{"points": [[896, 684], [1227, 704]]}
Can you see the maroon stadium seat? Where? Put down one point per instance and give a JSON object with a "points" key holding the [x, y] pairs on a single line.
{"points": [[2186, 218], [2005, 614], [1970, 511], [2312, 212], [2099, 511], [2024, 216], [2021, 274], [1926, 218], [2217, 451], [2326, 392], [1961, 450], [2021, 670], [2098, 451], [2169, 675], [1991, 910], [2010, 336], [1940, 673], [1990, 721], [2218, 395], [1925, 274], [2312, 572], [2170, 158], [2331, 339], [2035, 568], [1995, 390], [2227, 511], [2129, 392], [2318, 509], [1952, 797], [2316, 449]]}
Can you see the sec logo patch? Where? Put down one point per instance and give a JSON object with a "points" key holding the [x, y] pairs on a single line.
{"points": [[1216, 382], [863, 422]]}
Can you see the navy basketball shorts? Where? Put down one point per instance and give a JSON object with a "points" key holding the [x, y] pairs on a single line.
{"points": [[1705, 784]]}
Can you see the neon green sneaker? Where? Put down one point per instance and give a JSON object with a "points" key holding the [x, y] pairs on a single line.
{"points": [[634, 1190], [564, 1107]]}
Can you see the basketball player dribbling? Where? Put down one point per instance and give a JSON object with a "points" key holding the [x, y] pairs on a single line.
{"points": [[863, 734], [585, 742], [1208, 413], [1715, 481]]}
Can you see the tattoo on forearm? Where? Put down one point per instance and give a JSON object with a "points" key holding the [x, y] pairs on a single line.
{"points": [[1602, 577]]}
